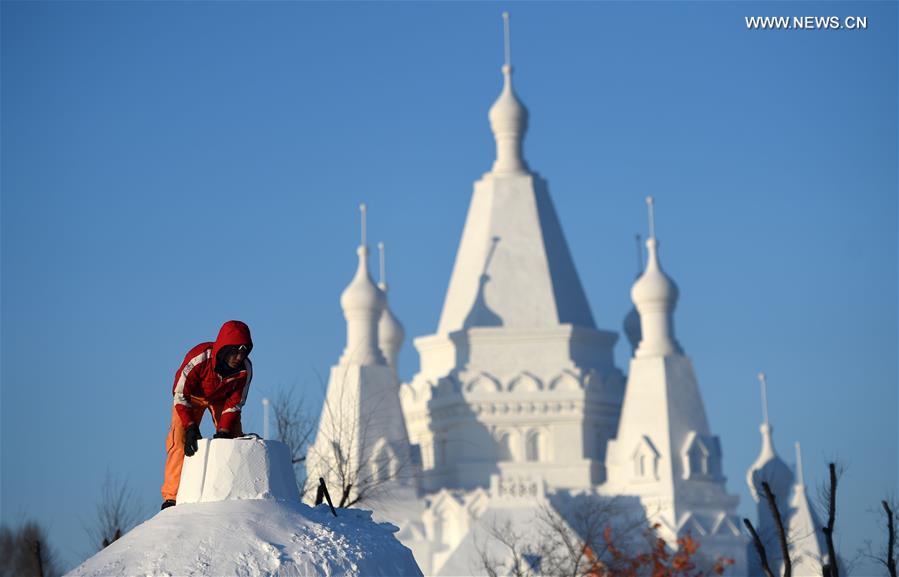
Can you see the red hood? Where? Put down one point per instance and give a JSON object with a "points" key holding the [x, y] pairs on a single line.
{"points": [[232, 333]]}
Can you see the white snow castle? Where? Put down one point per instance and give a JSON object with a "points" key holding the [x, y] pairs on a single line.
{"points": [[518, 410]]}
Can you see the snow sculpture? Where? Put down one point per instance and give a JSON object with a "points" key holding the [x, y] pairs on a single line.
{"points": [[239, 513], [244, 468]]}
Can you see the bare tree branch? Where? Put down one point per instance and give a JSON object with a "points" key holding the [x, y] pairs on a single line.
{"points": [[346, 452], [514, 548], [24, 552], [118, 511], [759, 548], [295, 428], [832, 567], [890, 560], [779, 526]]}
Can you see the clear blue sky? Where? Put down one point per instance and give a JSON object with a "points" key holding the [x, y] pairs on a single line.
{"points": [[169, 166]]}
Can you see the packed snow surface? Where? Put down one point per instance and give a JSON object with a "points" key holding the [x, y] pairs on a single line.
{"points": [[243, 468], [254, 538], [239, 514]]}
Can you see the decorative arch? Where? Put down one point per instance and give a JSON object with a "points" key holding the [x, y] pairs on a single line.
{"points": [[566, 381], [483, 383], [525, 383]]}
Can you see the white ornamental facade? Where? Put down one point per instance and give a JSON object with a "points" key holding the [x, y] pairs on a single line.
{"points": [[518, 411]]}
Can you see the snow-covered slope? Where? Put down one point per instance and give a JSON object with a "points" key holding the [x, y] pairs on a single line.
{"points": [[245, 522], [254, 538]]}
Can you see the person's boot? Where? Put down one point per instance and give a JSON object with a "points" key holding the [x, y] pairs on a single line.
{"points": [[167, 503]]}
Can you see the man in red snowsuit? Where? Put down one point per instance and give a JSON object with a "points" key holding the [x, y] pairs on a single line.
{"points": [[215, 377]]}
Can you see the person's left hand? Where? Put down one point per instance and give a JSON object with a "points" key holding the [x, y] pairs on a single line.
{"points": [[223, 434]]}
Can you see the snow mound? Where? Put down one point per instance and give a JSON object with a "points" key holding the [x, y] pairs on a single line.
{"points": [[244, 468], [239, 514], [254, 538]]}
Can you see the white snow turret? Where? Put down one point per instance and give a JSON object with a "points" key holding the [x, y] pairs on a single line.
{"points": [[807, 548], [655, 296], [768, 466], [508, 119], [362, 302], [390, 332]]}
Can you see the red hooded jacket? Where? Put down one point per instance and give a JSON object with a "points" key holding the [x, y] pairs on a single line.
{"points": [[196, 377]]}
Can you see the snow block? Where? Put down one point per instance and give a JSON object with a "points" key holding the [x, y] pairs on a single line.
{"points": [[233, 469]]}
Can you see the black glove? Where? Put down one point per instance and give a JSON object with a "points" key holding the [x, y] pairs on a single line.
{"points": [[223, 434], [191, 436]]}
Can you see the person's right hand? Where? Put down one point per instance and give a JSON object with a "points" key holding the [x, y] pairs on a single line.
{"points": [[191, 436]]}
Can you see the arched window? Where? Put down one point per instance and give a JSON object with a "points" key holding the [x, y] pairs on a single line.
{"points": [[532, 448], [504, 448], [699, 459], [646, 460], [382, 467]]}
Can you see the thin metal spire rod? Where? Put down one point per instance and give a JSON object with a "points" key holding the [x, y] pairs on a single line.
{"points": [[362, 214], [507, 38], [763, 381], [650, 203], [383, 270]]}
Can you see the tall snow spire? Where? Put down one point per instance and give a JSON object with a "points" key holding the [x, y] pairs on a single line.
{"points": [[362, 304], [655, 296], [508, 117], [768, 453], [390, 331]]}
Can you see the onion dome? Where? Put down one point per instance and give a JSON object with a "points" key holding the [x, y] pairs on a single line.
{"points": [[508, 119], [390, 335], [654, 289], [390, 332], [768, 466], [362, 293], [655, 296], [362, 302]]}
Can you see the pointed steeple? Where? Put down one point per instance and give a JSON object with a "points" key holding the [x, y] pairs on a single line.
{"points": [[655, 296], [362, 302], [513, 268], [508, 118], [390, 331], [807, 547], [768, 466], [664, 451]]}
